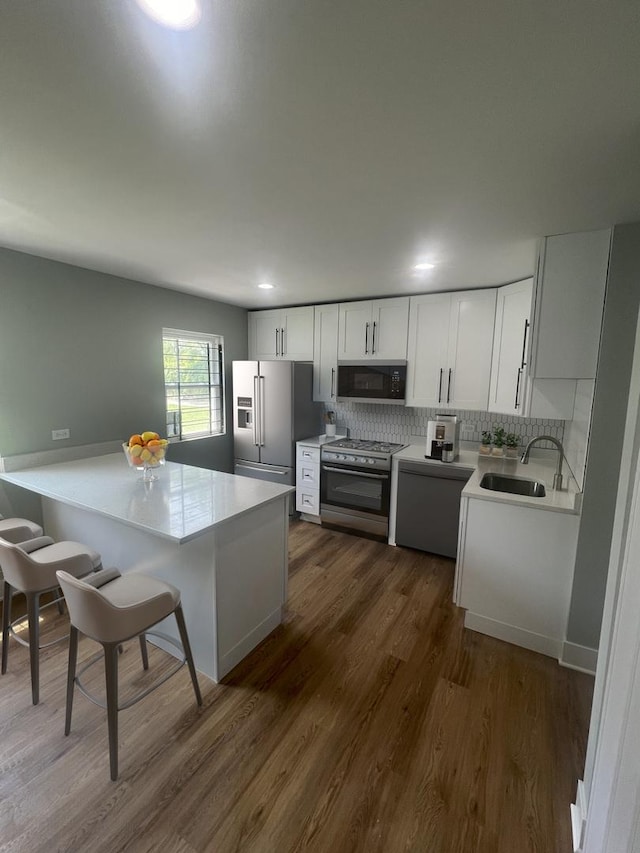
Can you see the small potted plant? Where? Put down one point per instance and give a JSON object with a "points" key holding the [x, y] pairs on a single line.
{"points": [[498, 441], [485, 446], [512, 441]]}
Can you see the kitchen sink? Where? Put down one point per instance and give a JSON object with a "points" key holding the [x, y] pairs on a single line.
{"points": [[513, 485]]}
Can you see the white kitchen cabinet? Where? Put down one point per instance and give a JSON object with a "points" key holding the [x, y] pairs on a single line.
{"points": [[569, 293], [375, 330], [510, 338], [515, 572], [308, 481], [325, 353], [566, 318], [512, 390], [449, 349], [284, 333]]}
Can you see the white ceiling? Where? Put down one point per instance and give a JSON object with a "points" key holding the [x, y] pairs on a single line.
{"points": [[322, 145]]}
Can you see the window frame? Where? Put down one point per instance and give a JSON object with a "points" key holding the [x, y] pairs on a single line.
{"points": [[212, 340]]}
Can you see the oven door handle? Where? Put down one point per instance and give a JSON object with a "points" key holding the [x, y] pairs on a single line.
{"points": [[356, 473]]}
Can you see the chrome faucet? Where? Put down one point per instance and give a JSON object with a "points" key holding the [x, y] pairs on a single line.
{"points": [[557, 477]]}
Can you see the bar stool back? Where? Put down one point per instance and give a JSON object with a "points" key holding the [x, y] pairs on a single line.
{"points": [[112, 608], [17, 530]]}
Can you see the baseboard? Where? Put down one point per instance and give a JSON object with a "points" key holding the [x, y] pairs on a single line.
{"points": [[233, 657], [510, 634], [582, 658], [314, 519], [578, 817]]}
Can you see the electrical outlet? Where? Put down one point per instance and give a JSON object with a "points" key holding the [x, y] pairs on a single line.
{"points": [[57, 434], [468, 430]]}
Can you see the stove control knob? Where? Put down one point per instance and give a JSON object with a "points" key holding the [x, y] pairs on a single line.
{"points": [[352, 459], [371, 461]]}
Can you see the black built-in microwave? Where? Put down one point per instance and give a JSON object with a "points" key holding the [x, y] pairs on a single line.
{"points": [[372, 382]]}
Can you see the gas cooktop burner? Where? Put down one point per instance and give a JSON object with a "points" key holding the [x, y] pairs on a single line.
{"points": [[365, 446]]}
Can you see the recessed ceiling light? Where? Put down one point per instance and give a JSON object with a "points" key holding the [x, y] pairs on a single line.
{"points": [[423, 266], [175, 14], [265, 286]]}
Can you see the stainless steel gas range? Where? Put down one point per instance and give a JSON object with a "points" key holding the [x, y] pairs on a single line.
{"points": [[355, 484]]}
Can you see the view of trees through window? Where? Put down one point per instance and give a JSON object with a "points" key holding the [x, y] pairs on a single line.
{"points": [[193, 378]]}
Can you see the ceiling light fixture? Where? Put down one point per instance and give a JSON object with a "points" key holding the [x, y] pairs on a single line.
{"points": [[265, 286], [175, 14], [423, 266]]}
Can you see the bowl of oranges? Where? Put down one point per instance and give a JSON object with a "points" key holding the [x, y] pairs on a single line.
{"points": [[145, 452]]}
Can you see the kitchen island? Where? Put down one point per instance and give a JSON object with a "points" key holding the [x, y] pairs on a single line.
{"points": [[221, 539]]}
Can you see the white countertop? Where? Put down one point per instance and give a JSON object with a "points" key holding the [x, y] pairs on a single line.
{"points": [[542, 467], [318, 440], [415, 453], [183, 503]]}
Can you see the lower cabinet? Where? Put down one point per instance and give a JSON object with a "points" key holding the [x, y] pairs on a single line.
{"points": [[515, 572], [308, 482]]}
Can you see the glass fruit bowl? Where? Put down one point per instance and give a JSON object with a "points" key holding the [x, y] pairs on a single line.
{"points": [[147, 457]]}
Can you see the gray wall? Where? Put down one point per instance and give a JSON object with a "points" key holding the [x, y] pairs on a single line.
{"points": [[607, 431], [83, 350]]}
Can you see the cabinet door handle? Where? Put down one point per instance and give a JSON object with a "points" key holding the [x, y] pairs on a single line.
{"points": [[277, 331], [366, 338], [373, 339], [440, 387], [449, 387], [517, 401], [282, 341], [333, 379], [524, 344]]}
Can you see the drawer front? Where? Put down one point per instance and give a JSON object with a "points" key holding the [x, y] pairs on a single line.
{"points": [[308, 454], [308, 476], [308, 501]]}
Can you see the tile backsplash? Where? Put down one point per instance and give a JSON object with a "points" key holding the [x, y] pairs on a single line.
{"points": [[400, 423]]}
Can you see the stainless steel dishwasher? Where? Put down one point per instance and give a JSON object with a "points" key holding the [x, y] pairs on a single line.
{"points": [[428, 506]]}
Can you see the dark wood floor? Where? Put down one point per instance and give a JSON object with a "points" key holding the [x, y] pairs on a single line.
{"points": [[369, 721]]}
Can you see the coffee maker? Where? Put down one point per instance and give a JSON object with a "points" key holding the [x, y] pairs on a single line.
{"points": [[444, 430]]}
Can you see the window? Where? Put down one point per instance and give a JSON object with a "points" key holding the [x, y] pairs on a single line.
{"points": [[193, 381]]}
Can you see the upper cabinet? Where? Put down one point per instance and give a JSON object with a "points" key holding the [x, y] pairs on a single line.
{"points": [[510, 339], [535, 371], [284, 333], [449, 350], [325, 353], [375, 330], [568, 303]]}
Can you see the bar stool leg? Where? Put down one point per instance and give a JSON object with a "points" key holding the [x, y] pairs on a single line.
{"points": [[71, 676], [111, 675], [6, 621], [143, 651], [33, 614], [184, 637]]}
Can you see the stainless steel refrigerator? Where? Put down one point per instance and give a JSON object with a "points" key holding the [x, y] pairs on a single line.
{"points": [[272, 408]]}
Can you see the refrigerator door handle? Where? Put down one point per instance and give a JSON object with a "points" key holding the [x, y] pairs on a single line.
{"points": [[256, 409], [261, 409]]}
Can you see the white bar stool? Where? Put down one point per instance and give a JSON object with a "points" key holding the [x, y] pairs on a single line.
{"points": [[33, 574], [112, 608]]}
